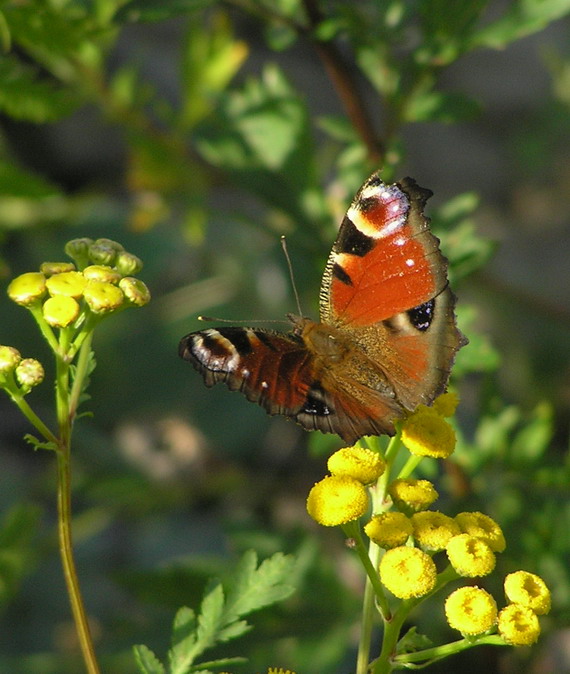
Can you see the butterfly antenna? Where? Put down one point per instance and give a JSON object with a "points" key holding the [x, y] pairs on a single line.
{"points": [[291, 275]]}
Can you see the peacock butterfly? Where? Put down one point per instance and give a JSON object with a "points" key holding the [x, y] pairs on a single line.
{"points": [[386, 339]]}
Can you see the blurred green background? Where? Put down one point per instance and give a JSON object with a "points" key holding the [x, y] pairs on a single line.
{"points": [[196, 133]]}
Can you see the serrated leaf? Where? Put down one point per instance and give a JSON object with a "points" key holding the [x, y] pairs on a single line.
{"points": [[38, 444], [256, 588], [146, 660], [413, 641]]}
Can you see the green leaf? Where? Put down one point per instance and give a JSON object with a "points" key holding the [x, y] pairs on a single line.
{"points": [[531, 442], [521, 18], [24, 96], [147, 661], [158, 10], [16, 182], [39, 444], [439, 106]]}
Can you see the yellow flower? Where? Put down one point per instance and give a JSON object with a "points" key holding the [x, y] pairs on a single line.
{"points": [[433, 530], [528, 589], [29, 373], [337, 499], [470, 556], [362, 464], [27, 288], [51, 268], [518, 625], [471, 610], [135, 291], [9, 359], [389, 530], [427, 433], [446, 404], [408, 572], [101, 272], [482, 526], [280, 670], [103, 297], [412, 495], [60, 311], [68, 283]]}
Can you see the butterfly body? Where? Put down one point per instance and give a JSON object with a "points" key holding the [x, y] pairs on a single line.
{"points": [[386, 338]]}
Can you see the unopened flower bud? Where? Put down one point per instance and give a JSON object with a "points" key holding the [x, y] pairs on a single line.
{"points": [[135, 290], [9, 359], [29, 373], [101, 253], [78, 250], [128, 264], [51, 268], [69, 283], [103, 297], [101, 272], [60, 311], [27, 288]]}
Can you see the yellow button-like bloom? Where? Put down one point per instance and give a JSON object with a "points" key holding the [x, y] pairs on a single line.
{"points": [[433, 530], [528, 589], [29, 373], [27, 288], [518, 625], [51, 268], [135, 290], [60, 311], [337, 499], [470, 556], [9, 359], [471, 610], [362, 464], [103, 297], [68, 283], [280, 670], [412, 495], [389, 530], [482, 526], [408, 572], [101, 272], [427, 433], [446, 404]]}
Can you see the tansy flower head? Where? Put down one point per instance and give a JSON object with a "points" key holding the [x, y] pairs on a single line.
{"points": [[29, 373], [518, 625], [9, 359], [362, 464], [135, 291], [280, 670], [103, 297], [337, 499], [128, 264], [527, 589], [446, 404], [101, 272], [408, 572], [68, 283], [27, 288], [482, 526], [411, 495], [469, 556], [78, 250], [427, 433], [471, 610], [60, 311], [433, 530], [51, 268], [389, 530]]}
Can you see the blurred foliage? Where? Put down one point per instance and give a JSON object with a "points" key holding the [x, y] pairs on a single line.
{"points": [[197, 132]]}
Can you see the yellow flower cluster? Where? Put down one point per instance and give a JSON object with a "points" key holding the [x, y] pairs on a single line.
{"points": [[17, 373], [528, 598], [100, 282]]}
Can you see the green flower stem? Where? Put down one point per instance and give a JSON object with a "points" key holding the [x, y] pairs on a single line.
{"points": [[80, 373], [45, 328], [409, 467], [368, 615], [392, 629], [65, 421], [430, 655], [32, 417]]}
